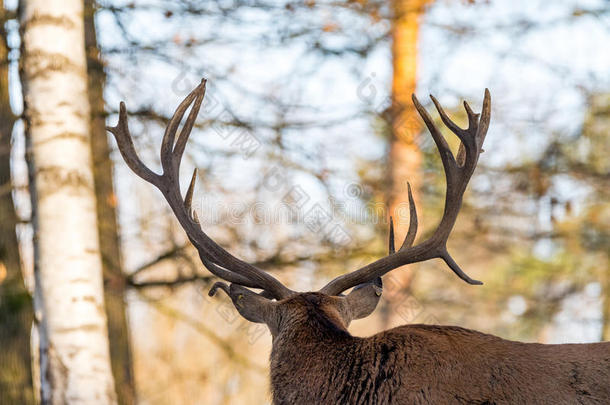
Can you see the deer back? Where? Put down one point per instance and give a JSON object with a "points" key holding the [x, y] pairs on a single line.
{"points": [[426, 364]]}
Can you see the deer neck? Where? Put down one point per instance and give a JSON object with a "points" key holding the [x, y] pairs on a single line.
{"points": [[306, 355]]}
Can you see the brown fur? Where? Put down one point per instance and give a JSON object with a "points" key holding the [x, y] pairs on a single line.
{"points": [[315, 360]]}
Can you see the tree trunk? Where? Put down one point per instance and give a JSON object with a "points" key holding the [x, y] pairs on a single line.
{"points": [[114, 280], [405, 158], [15, 301], [74, 351]]}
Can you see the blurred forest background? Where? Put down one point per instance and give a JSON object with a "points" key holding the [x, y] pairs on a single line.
{"points": [[305, 142]]}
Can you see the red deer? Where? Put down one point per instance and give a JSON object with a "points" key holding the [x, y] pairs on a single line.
{"points": [[315, 360]]}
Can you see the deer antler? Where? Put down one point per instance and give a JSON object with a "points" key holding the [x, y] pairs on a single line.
{"points": [[458, 171], [218, 261]]}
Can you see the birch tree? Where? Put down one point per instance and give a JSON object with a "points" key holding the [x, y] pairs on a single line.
{"points": [[69, 303]]}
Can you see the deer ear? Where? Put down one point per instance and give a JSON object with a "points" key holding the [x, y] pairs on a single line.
{"points": [[363, 299], [252, 306]]}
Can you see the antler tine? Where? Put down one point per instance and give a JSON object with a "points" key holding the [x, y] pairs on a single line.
{"points": [[391, 246], [128, 151], [188, 198], [168, 156], [218, 285], [464, 134], [445, 118], [457, 270], [412, 232], [473, 118], [214, 257], [457, 175], [484, 121], [447, 158], [479, 123], [188, 126], [410, 237]]}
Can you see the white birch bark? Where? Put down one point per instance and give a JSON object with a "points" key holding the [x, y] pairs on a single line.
{"points": [[74, 352]]}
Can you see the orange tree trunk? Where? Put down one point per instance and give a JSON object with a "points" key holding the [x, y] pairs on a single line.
{"points": [[405, 158]]}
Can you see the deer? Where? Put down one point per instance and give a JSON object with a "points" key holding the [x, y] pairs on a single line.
{"points": [[315, 359]]}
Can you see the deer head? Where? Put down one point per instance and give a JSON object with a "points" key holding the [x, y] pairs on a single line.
{"points": [[275, 302]]}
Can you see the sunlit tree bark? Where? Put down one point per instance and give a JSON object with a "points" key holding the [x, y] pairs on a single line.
{"points": [[70, 317]]}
